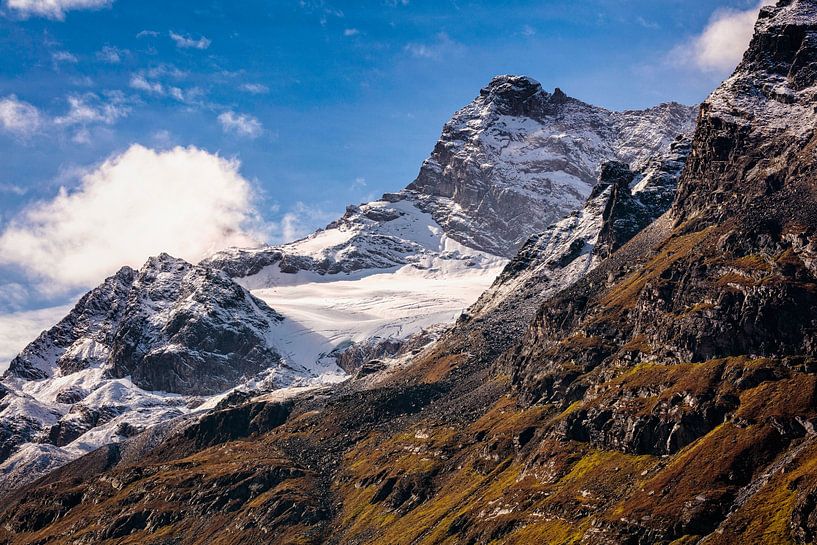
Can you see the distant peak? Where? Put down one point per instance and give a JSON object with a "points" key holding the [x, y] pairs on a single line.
{"points": [[510, 87], [164, 262], [514, 95], [506, 81]]}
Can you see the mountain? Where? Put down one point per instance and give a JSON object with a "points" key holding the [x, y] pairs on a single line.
{"points": [[380, 283], [170, 326], [507, 165], [143, 347], [518, 158], [666, 396]]}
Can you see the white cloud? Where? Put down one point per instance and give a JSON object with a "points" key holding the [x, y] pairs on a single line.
{"points": [[254, 88], [18, 117], [351, 32], [89, 108], [110, 54], [240, 124], [166, 70], [186, 42], [720, 47], [138, 81], [176, 93], [63, 56], [184, 201], [53, 9], [20, 328], [147, 34]]}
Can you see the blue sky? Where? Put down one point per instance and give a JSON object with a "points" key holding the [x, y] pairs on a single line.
{"points": [[297, 107]]}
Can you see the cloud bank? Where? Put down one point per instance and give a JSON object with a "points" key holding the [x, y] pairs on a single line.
{"points": [[184, 201]]}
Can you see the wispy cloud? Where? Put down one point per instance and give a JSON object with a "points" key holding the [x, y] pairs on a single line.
{"points": [[145, 82], [53, 9], [18, 117], [14, 189], [166, 70], [91, 109], [349, 32], [254, 88], [63, 56], [147, 34], [188, 42], [646, 23], [138, 81], [322, 9], [441, 47], [240, 124], [111, 55]]}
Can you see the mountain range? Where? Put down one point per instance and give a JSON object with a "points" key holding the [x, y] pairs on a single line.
{"points": [[382, 281], [636, 363]]}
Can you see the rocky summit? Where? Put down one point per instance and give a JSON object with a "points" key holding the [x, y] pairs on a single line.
{"points": [[643, 370], [518, 158]]}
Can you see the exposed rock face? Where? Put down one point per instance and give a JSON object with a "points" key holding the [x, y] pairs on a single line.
{"points": [[737, 277], [621, 204], [91, 320], [755, 128], [518, 158], [171, 326]]}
